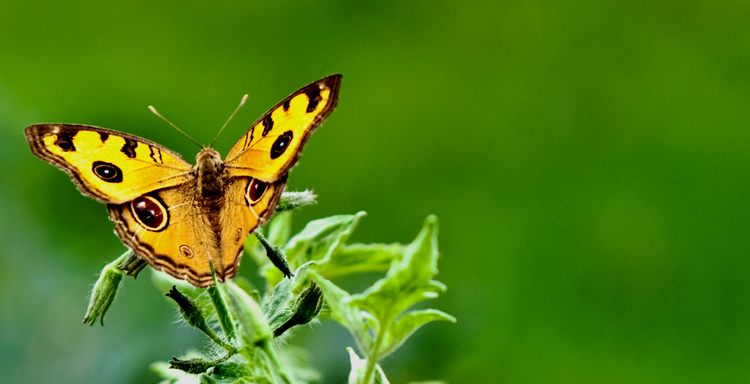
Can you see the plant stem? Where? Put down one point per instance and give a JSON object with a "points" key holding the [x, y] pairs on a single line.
{"points": [[372, 357], [221, 311]]}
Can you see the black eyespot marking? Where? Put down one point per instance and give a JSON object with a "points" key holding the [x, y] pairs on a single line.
{"points": [[150, 212], [65, 140], [255, 191], [107, 172], [129, 148], [281, 144], [286, 105], [103, 136], [313, 93], [267, 124]]}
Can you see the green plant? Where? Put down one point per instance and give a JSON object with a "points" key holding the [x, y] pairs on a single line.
{"points": [[243, 325]]}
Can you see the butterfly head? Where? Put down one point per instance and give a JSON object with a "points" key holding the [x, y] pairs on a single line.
{"points": [[209, 157]]}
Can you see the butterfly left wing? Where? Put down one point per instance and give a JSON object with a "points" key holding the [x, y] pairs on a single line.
{"points": [[110, 166], [273, 143]]}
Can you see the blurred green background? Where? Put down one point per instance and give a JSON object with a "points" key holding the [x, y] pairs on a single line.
{"points": [[588, 162]]}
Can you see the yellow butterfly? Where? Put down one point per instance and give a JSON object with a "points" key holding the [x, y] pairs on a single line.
{"points": [[177, 216]]}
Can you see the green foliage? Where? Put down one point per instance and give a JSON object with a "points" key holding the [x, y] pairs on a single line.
{"points": [[243, 325]]}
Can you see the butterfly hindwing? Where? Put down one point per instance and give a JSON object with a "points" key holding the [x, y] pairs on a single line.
{"points": [[274, 142], [249, 203], [110, 166], [166, 229], [179, 237]]}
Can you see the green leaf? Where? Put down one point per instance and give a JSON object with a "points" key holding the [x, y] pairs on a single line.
{"points": [[407, 281], [230, 371], [277, 307], [251, 328], [359, 258], [407, 324], [205, 379], [320, 238], [342, 311]]}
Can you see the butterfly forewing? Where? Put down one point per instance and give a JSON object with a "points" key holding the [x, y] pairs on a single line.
{"points": [[274, 142], [110, 166]]}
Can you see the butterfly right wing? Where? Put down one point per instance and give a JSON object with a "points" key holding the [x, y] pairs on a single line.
{"points": [[248, 203], [274, 143]]}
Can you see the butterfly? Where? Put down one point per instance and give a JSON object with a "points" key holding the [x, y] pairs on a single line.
{"points": [[177, 216]]}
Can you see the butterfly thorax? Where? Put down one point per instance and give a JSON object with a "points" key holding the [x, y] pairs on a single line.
{"points": [[209, 170]]}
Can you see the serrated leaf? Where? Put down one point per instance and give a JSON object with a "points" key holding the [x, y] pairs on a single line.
{"points": [[342, 311], [320, 238], [408, 281], [407, 324], [359, 258]]}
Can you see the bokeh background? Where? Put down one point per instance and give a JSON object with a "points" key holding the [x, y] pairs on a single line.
{"points": [[588, 162]]}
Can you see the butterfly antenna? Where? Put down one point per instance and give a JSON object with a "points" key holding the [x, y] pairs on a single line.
{"points": [[242, 102], [174, 126]]}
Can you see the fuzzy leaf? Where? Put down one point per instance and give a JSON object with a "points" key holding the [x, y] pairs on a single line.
{"points": [[408, 281], [320, 238], [251, 325], [229, 372], [407, 324], [358, 258], [276, 307], [342, 311]]}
